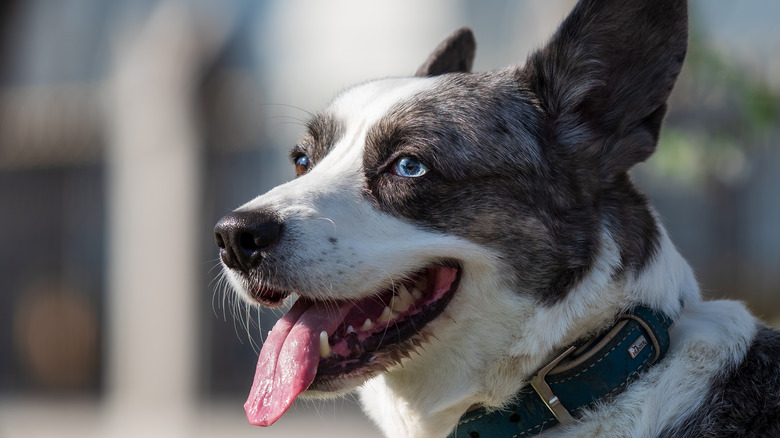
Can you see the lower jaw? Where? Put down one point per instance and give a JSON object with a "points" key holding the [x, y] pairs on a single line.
{"points": [[335, 386]]}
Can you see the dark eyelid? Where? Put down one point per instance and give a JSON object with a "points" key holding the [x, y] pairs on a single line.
{"points": [[412, 153], [296, 152]]}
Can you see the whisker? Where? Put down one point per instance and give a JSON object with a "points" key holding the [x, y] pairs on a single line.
{"points": [[217, 291], [279, 124], [300, 121], [259, 328], [328, 220], [217, 264], [249, 324], [284, 105]]}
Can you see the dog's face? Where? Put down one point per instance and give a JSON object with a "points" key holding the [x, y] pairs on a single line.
{"points": [[459, 223]]}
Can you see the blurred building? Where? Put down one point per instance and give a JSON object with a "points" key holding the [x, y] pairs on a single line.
{"points": [[127, 128]]}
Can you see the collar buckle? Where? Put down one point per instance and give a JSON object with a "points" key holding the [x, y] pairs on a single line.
{"points": [[545, 392]]}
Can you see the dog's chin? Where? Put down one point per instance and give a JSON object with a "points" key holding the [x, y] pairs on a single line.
{"points": [[377, 332]]}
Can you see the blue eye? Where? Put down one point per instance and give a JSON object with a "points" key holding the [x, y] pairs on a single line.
{"points": [[301, 165], [409, 168]]}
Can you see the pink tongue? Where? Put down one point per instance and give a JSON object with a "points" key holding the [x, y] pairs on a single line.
{"points": [[288, 361]]}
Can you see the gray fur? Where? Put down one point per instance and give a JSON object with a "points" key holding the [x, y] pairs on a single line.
{"points": [[744, 400], [476, 133]]}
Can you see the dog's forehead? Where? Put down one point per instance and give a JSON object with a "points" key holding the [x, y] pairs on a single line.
{"points": [[337, 141], [355, 111], [365, 104]]}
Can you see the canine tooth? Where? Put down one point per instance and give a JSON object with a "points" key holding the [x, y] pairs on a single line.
{"points": [[386, 315], [368, 325], [402, 301], [324, 346], [350, 329], [399, 305], [416, 293]]}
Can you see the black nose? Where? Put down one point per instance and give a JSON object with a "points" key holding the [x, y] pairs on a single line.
{"points": [[242, 236]]}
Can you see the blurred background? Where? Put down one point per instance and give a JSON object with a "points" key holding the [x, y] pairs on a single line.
{"points": [[128, 127]]}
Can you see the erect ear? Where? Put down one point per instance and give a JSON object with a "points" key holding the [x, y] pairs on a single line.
{"points": [[604, 78], [455, 54]]}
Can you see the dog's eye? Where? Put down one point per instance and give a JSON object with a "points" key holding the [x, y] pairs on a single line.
{"points": [[301, 165], [409, 168]]}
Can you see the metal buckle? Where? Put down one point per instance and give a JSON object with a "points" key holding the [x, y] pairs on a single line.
{"points": [[545, 392]]}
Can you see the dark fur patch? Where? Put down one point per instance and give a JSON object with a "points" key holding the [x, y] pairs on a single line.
{"points": [[629, 220], [499, 180], [745, 400], [324, 130], [490, 180]]}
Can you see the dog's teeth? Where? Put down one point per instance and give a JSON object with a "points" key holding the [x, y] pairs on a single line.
{"points": [[386, 315], [402, 301], [416, 293], [350, 329], [324, 346], [368, 325], [399, 305]]}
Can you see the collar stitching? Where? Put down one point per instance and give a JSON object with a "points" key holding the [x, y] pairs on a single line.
{"points": [[604, 356]]}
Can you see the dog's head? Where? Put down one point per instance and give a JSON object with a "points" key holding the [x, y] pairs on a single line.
{"points": [[461, 224]]}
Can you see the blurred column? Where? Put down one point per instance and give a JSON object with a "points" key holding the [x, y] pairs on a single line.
{"points": [[154, 180]]}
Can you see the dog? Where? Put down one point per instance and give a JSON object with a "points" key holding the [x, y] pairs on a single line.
{"points": [[468, 251]]}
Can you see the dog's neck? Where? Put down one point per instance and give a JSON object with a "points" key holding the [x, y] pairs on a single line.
{"points": [[578, 378]]}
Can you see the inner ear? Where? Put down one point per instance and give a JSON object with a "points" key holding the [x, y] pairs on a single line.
{"points": [[454, 54]]}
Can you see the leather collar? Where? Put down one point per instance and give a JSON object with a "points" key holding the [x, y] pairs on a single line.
{"points": [[580, 376]]}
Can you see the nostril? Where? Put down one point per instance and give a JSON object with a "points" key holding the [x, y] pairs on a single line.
{"points": [[262, 235], [219, 239], [248, 242]]}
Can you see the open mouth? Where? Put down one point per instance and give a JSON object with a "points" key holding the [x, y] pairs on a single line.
{"points": [[329, 345]]}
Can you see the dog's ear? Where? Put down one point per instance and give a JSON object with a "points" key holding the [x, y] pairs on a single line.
{"points": [[455, 54], [604, 78]]}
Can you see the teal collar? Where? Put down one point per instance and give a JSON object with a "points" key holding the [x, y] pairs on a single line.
{"points": [[578, 378]]}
